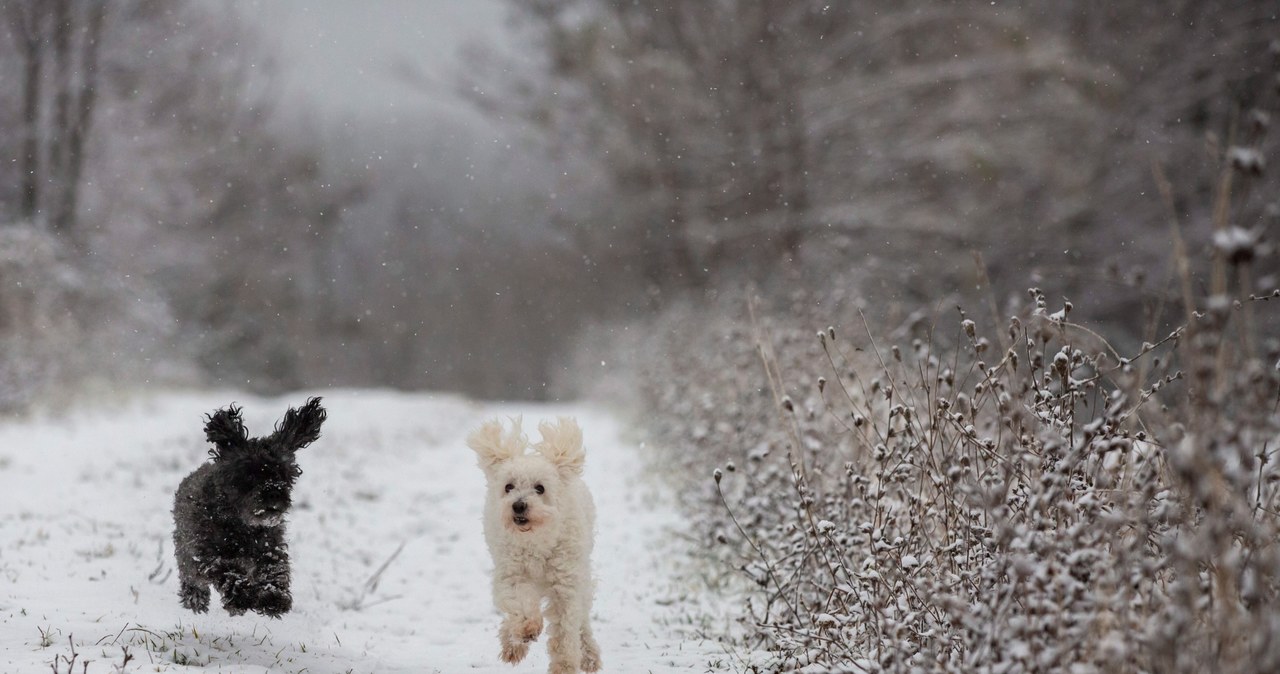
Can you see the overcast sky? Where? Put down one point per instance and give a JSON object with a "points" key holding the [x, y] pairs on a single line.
{"points": [[337, 57]]}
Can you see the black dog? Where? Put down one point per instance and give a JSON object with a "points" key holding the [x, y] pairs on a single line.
{"points": [[229, 513]]}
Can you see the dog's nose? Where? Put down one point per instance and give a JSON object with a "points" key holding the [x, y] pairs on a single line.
{"points": [[519, 507]]}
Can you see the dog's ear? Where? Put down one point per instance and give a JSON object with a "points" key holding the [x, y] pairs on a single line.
{"points": [[492, 446], [562, 445], [225, 430], [301, 427]]}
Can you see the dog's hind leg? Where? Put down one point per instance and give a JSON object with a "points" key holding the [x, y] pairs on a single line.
{"points": [[567, 622], [590, 650], [193, 590], [193, 587]]}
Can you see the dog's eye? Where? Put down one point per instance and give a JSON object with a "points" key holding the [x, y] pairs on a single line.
{"points": [[510, 487], [538, 488]]}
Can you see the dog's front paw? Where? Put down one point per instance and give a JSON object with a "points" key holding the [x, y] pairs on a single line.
{"points": [[516, 634], [236, 604], [274, 604], [195, 598], [513, 651], [528, 630]]}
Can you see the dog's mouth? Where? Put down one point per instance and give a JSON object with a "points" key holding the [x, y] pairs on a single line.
{"points": [[521, 522]]}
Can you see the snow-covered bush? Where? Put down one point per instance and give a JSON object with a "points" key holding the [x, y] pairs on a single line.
{"points": [[64, 323], [1027, 501]]}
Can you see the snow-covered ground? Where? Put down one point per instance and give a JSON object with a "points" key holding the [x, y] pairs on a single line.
{"points": [[86, 558]]}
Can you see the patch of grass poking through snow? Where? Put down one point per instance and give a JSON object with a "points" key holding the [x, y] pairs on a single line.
{"points": [[182, 645], [66, 663], [177, 645], [46, 635]]}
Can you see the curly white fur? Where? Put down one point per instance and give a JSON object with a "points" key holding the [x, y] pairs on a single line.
{"points": [[539, 523]]}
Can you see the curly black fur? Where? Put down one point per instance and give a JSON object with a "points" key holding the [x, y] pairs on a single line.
{"points": [[229, 513]]}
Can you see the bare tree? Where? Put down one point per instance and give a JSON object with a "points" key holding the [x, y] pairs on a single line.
{"points": [[212, 226], [58, 42], [85, 94], [730, 132], [27, 21]]}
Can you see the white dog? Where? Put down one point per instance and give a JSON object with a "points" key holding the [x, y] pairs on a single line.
{"points": [[539, 522]]}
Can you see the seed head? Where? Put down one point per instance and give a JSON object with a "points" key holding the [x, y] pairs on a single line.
{"points": [[1247, 160], [1259, 120]]}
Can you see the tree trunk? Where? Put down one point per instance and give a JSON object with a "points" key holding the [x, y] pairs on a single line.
{"points": [[781, 127], [27, 20], [60, 216], [86, 96], [795, 189]]}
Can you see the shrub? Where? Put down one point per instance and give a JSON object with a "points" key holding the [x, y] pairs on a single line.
{"points": [[65, 323], [1031, 501]]}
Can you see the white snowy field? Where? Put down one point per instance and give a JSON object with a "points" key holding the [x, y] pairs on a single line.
{"points": [[86, 555]]}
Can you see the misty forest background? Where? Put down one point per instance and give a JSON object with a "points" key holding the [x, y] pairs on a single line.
{"points": [[167, 217]]}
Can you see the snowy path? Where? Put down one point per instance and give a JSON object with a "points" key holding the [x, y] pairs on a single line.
{"points": [[86, 555]]}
